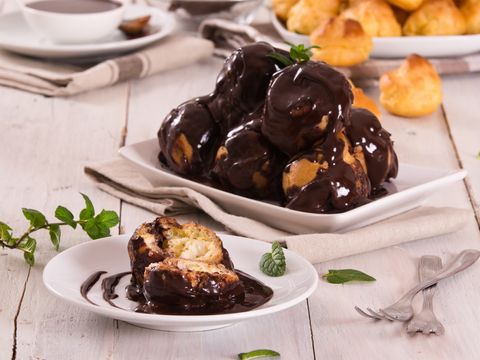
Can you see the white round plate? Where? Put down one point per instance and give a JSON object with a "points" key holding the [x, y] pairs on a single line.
{"points": [[400, 47], [64, 274], [17, 36]]}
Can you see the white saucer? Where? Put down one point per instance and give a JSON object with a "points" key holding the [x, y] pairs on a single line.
{"points": [[402, 46], [17, 36], [413, 185], [64, 274]]}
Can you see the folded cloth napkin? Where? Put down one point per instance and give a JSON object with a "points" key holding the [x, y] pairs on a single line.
{"points": [[228, 36], [57, 79], [119, 179]]}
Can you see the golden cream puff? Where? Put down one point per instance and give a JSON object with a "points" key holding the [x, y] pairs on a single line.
{"points": [[408, 5], [375, 16], [471, 12], [362, 101], [306, 15], [282, 7], [414, 89], [435, 17], [342, 42]]}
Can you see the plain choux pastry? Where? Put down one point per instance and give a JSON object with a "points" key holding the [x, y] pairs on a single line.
{"points": [[471, 12], [375, 16], [306, 15], [408, 5], [414, 89], [342, 42], [282, 7], [362, 101], [435, 17]]}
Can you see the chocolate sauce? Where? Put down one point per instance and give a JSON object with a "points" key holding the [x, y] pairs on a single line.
{"points": [[88, 284], [108, 287], [74, 6], [366, 131], [305, 102], [256, 294]]}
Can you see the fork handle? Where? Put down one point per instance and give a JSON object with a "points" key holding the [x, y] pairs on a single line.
{"points": [[462, 261]]}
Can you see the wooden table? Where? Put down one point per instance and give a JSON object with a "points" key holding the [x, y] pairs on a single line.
{"points": [[44, 144]]}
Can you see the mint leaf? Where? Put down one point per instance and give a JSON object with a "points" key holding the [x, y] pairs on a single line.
{"points": [[260, 353], [89, 211], [300, 53], [28, 246], [95, 229], [5, 231], [345, 275], [282, 59], [274, 264], [65, 215], [108, 218], [55, 233], [36, 218]]}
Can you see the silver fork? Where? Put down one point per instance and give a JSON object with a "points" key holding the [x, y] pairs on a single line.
{"points": [[426, 321], [402, 310]]}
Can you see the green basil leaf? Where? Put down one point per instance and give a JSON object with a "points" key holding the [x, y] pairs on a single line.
{"points": [[65, 215], [108, 218], [345, 275], [96, 230], [55, 233], [5, 232], [89, 211], [36, 218], [256, 354], [274, 264]]}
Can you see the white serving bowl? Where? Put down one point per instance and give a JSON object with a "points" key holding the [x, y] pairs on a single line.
{"points": [[76, 28]]}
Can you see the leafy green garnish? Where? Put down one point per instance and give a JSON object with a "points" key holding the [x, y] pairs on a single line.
{"points": [[345, 275], [95, 226], [273, 263], [298, 53], [260, 353]]}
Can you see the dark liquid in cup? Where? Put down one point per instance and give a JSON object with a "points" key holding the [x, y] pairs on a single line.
{"points": [[74, 6]]}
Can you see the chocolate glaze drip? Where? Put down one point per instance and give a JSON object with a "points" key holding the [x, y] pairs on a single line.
{"points": [[242, 84], [108, 287], [89, 283], [247, 164], [366, 131], [189, 138], [255, 295], [338, 186], [305, 102]]}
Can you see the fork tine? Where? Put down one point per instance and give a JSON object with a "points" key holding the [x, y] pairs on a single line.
{"points": [[363, 313], [375, 314], [391, 318]]}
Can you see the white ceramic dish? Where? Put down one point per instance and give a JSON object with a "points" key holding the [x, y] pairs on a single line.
{"points": [[400, 47], [16, 36], [410, 189], [73, 28], [64, 274]]}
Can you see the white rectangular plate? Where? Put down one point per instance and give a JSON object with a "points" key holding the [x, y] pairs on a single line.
{"points": [[412, 186], [402, 46]]}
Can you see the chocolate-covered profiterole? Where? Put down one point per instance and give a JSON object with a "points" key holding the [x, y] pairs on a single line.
{"points": [[247, 164], [305, 101], [187, 285], [327, 178], [242, 83], [165, 237], [367, 136], [188, 138]]}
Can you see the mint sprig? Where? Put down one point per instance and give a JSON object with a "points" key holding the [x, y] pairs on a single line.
{"points": [[297, 54], [256, 354], [273, 263], [345, 275], [96, 226]]}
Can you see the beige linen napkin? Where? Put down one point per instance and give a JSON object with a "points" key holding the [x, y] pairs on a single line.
{"points": [[119, 179], [228, 36], [57, 79]]}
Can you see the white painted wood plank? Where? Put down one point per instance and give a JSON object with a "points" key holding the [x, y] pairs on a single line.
{"points": [[340, 333], [287, 332], [462, 110], [45, 143]]}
